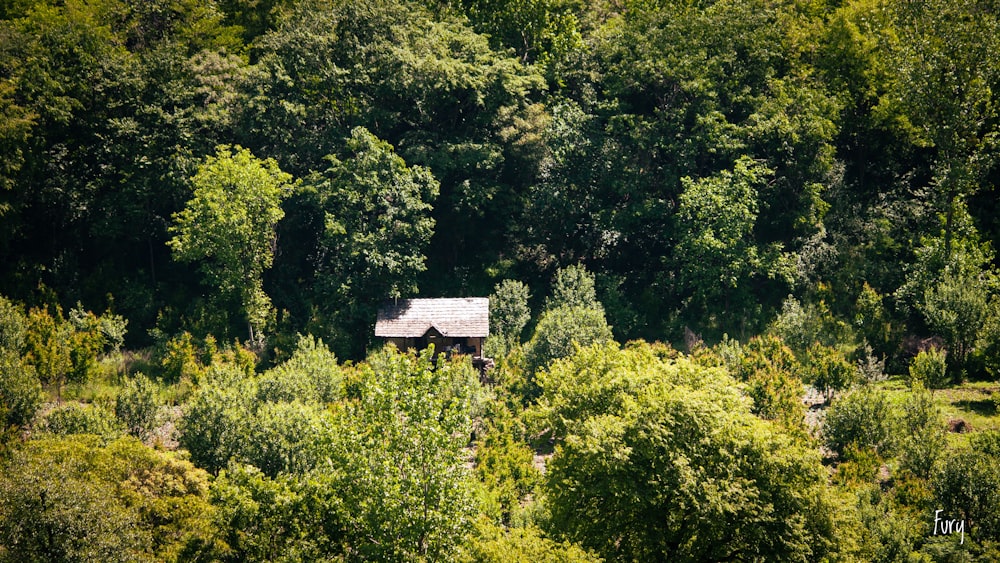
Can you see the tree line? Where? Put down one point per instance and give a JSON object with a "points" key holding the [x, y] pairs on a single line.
{"points": [[688, 216], [712, 163]]}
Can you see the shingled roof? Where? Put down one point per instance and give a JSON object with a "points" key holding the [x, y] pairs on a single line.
{"points": [[461, 317]]}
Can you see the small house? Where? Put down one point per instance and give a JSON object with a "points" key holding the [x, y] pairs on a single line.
{"points": [[452, 325]]}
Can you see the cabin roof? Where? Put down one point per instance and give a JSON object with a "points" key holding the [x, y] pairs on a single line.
{"points": [[460, 317]]}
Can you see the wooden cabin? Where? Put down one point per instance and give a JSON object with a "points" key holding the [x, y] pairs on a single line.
{"points": [[452, 325]]}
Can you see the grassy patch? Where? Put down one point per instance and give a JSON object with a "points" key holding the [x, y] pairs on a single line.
{"points": [[972, 403]]}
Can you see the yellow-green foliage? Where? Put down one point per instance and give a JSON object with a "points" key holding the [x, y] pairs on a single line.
{"points": [[770, 371], [72, 498], [661, 459], [494, 544], [65, 350], [505, 464], [929, 369]]}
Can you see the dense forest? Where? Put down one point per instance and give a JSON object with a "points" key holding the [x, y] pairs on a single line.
{"points": [[744, 297]]}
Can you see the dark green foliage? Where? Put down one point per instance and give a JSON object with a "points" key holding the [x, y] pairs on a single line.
{"points": [[704, 160], [376, 223], [717, 257]]}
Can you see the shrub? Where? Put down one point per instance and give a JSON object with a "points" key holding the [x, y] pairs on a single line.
{"points": [[216, 422], [922, 439], [863, 419], [967, 486], [509, 313], [136, 406], [281, 437], [929, 369], [828, 370], [20, 391], [505, 464], [560, 330], [770, 371], [179, 359], [311, 375], [78, 418]]}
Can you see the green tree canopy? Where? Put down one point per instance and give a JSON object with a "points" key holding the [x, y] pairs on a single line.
{"points": [[676, 467], [229, 227], [377, 224]]}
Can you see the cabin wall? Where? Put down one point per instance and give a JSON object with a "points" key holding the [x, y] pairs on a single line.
{"points": [[470, 346]]}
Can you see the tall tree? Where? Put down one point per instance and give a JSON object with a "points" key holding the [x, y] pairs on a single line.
{"points": [[948, 55], [718, 260], [229, 227], [376, 229]]}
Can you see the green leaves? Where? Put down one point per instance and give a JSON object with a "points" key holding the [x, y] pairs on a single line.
{"points": [[73, 499], [665, 462], [403, 455], [377, 225], [718, 258], [229, 225]]}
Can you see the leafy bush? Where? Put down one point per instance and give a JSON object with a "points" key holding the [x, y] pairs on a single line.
{"points": [[284, 437], [770, 371], [136, 406], [77, 418], [276, 519], [216, 421], [922, 433], [311, 375], [74, 499], [967, 486], [658, 436], [929, 369], [20, 391], [509, 313], [494, 544], [828, 369], [863, 420], [13, 327], [505, 465], [180, 359], [560, 330], [573, 286]]}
